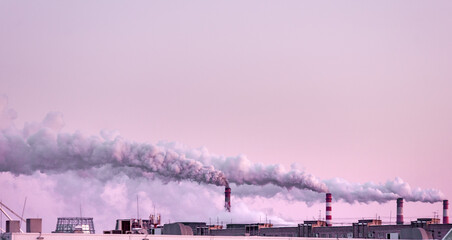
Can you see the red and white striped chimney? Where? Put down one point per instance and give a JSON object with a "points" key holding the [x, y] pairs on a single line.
{"points": [[329, 217], [445, 211], [399, 211]]}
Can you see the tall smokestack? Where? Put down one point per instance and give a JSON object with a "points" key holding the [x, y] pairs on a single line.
{"points": [[399, 211], [445, 211], [329, 217], [227, 199]]}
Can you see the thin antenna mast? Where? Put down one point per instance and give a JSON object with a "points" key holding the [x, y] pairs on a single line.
{"points": [[138, 212], [23, 210], [390, 217]]}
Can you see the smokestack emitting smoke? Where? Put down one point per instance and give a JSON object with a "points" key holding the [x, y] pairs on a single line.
{"points": [[41, 147], [227, 199], [399, 211], [328, 212], [445, 211]]}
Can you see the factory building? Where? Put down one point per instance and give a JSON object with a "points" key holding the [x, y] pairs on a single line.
{"points": [[422, 228], [368, 228], [77, 236]]}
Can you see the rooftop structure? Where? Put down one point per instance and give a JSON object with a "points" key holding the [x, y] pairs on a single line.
{"points": [[370, 222], [62, 236], [422, 228], [177, 229], [75, 225]]}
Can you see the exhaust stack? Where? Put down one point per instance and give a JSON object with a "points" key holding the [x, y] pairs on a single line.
{"points": [[329, 217], [227, 199], [399, 211], [445, 211]]}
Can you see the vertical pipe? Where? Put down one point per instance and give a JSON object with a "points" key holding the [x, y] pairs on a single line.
{"points": [[445, 211], [328, 211], [399, 211], [227, 199]]}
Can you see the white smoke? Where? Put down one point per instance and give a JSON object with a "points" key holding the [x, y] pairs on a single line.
{"points": [[72, 194], [42, 147], [269, 180], [348, 192], [241, 171], [381, 192]]}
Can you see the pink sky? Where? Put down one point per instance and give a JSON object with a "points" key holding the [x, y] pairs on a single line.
{"points": [[349, 89]]}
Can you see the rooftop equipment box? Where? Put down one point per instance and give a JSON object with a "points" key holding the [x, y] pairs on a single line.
{"points": [[12, 226], [34, 225]]}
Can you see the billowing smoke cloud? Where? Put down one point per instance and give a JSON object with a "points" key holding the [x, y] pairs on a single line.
{"points": [[60, 195], [241, 171], [275, 179], [41, 147], [348, 192], [391, 190]]}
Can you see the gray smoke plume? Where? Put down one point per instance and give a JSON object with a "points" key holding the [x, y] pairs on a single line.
{"points": [[271, 180], [241, 171], [381, 192], [41, 147]]}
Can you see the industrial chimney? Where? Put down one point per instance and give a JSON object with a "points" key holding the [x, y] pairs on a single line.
{"points": [[329, 217], [399, 211], [445, 211], [227, 199]]}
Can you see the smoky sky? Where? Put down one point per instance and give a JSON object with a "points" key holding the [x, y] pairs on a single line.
{"points": [[43, 147]]}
